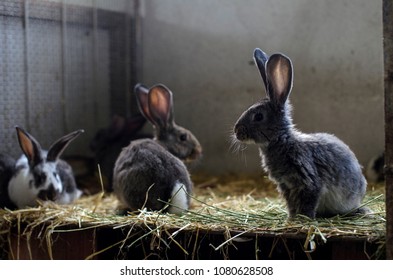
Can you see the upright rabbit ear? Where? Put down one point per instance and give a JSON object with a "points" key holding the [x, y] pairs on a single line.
{"points": [[280, 77], [260, 59], [59, 146], [117, 125], [30, 147], [161, 105], [135, 123], [141, 93]]}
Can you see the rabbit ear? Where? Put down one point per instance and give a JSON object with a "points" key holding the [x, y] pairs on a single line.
{"points": [[280, 77], [260, 59], [161, 105], [117, 125], [30, 147], [141, 93], [135, 123], [59, 146]]}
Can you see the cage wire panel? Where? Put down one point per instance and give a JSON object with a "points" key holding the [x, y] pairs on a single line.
{"points": [[64, 65]]}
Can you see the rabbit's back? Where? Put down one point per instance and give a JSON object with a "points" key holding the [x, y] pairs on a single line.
{"points": [[343, 182], [321, 160], [147, 175]]}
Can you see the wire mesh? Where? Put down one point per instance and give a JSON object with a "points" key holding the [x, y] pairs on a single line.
{"points": [[64, 65]]}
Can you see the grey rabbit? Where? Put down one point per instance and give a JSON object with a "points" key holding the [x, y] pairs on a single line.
{"points": [[40, 174], [317, 174], [7, 170], [150, 172], [108, 142]]}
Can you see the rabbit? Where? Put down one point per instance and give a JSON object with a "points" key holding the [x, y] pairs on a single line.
{"points": [[40, 174], [7, 169], [108, 142], [317, 174], [375, 171], [150, 172]]}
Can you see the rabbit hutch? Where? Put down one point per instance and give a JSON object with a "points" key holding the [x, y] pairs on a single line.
{"points": [[73, 64]]}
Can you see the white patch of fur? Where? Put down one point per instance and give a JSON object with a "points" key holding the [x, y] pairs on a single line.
{"points": [[178, 201], [249, 141], [67, 198], [21, 193]]}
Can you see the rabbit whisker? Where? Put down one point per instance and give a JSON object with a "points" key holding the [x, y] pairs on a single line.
{"points": [[236, 146]]}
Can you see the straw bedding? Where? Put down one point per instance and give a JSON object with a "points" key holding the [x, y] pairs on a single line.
{"points": [[238, 204]]}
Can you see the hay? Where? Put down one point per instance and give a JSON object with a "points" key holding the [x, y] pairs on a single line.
{"points": [[234, 206]]}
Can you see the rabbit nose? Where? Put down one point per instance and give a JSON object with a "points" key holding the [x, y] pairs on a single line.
{"points": [[49, 194], [196, 153], [241, 132]]}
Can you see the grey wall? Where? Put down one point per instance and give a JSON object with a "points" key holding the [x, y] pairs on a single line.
{"points": [[202, 50]]}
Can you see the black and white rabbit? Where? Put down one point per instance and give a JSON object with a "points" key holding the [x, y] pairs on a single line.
{"points": [[150, 172], [108, 142], [317, 174], [7, 170], [40, 174]]}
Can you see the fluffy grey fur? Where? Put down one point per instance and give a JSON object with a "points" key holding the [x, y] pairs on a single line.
{"points": [[148, 173], [317, 174], [108, 142]]}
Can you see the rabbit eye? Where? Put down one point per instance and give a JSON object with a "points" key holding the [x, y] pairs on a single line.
{"points": [[258, 117], [183, 137]]}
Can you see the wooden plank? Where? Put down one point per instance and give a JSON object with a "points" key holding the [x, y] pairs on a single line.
{"points": [[388, 80], [108, 243], [203, 244], [68, 245]]}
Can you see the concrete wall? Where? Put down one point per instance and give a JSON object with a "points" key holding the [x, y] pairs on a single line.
{"points": [[202, 50]]}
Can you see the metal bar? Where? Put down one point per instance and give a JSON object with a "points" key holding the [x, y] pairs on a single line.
{"points": [[95, 65], [27, 63], [137, 50], [138, 12], [127, 61], [64, 54], [388, 83]]}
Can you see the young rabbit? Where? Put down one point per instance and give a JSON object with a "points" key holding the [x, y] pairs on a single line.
{"points": [[317, 174], [108, 142], [149, 173], [7, 169], [41, 174]]}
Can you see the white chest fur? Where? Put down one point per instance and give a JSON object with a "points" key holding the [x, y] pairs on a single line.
{"points": [[23, 188]]}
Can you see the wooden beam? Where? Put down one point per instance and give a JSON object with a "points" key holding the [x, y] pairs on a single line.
{"points": [[388, 80]]}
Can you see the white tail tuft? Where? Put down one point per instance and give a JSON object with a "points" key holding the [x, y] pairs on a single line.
{"points": [[179, 201]]}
